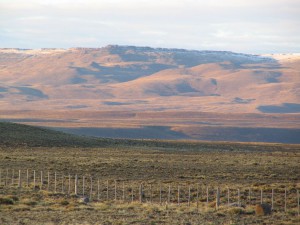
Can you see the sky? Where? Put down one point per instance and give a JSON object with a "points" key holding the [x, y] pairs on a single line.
{"points": [[248, 26]]}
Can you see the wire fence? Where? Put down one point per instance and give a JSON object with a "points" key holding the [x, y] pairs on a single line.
{"points": [[280, 198]]}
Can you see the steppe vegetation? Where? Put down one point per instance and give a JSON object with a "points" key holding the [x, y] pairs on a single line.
{"points": [[184, 163]]}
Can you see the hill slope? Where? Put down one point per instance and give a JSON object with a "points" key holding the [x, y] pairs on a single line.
{"points": [[12, 134], [139, 78], [19, 135], [163, 93]]}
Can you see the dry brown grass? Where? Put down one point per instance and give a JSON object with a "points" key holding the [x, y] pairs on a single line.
{"points": [[237, 168]]}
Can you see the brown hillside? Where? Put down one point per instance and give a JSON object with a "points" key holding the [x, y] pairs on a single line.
{"points": [[142, 79]]}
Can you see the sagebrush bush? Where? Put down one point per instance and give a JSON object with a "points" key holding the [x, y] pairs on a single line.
{"points": [[64, 202], [6, 201], [30, 203], [236, 211]]}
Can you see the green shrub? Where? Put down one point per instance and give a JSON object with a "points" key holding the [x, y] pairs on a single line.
{"points": [[30, 203], [236, 211], [64, 202], [6, 201], [14, 198]]}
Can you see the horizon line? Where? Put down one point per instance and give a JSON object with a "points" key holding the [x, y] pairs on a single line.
{"points": [[140, 46]]}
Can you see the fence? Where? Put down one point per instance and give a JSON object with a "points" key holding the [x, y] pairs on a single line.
{"points": [[280, 198]]}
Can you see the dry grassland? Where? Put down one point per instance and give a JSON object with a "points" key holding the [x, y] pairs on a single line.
{"points": [[168, 163]]}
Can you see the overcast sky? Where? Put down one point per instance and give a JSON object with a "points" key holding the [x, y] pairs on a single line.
{"points": [[249, 26]]}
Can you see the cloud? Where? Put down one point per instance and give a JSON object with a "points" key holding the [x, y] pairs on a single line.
{"points": [[238, 25]]}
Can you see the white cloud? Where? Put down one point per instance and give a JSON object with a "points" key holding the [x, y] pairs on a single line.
{"points": [[238, 25]]}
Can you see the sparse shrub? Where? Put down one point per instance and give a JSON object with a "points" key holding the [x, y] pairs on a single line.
{"points": [[220, 214], [6, 201], [236, 211], [64, 202], [21, 208], [14, 198], [292, 213], [102, 206], [250, 211], [30, 203], [212, 204]]}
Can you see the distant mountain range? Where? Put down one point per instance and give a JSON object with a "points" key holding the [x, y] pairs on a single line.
{"points": [[143, 79]]}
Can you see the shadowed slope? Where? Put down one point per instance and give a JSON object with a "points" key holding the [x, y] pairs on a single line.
{"points": [[13, 135], [23, 135], [74, 87]]}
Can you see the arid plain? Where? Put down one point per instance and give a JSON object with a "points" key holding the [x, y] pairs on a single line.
{"points": [[190, 165]]}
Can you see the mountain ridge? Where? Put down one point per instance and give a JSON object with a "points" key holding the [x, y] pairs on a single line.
{"points": [[143, 79], [141, 48], [106, 72]]}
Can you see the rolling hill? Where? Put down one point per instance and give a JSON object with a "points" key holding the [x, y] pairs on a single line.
{"points": [[20, 135], [103, 87], [12, 134]]}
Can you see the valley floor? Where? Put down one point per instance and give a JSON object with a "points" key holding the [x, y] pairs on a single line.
{"points": [[225, 165]]}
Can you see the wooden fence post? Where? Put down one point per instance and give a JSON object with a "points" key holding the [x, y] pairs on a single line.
{"points": [[197, 195], [132, 193], [3, 178], [285, 195], [27, 178], [75, 184], [169, 194], [189, 196], [83, 191], [19, 181], [218, 198], [62, 183], [141, 193], [178, 198], [12, 177], [34, 179], [107, 191], [298, 200], [6, 179], [239, 197], [272, 207], [69, 184], [207, 195], [55, 182], [115, 190], [98, 189], [151, 193], [123, 195], [249, 196], [91, 189], [160, 197], [41, 187], [228, 196], [48, 181]]}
